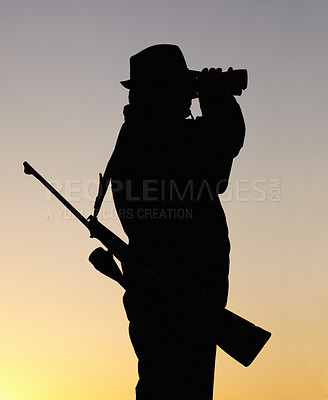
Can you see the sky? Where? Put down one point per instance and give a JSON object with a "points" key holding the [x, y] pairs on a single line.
{"points": [[63, 328]]}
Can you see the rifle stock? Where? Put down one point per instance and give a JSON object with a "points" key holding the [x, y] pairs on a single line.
{"points": [[238, 337]]}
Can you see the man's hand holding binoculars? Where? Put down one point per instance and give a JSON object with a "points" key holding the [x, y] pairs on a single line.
{"points": [[214, 90]]}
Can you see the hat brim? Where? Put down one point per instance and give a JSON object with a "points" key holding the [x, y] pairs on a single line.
{"points": [[128, 83]]}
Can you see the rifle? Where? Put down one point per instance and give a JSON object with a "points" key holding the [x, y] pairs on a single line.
{"points": [[238, 337]]}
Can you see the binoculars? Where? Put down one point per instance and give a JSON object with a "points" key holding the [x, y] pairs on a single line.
{"points": [[237, 81]]}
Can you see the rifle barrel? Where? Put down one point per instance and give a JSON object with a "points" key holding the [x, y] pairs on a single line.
{"points": [[29, 170]]}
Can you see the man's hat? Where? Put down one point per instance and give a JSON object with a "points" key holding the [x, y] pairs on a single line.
{"points": [[161, 62]]}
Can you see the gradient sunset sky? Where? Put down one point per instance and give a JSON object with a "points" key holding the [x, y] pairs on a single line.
{"points": [[63, 332]]}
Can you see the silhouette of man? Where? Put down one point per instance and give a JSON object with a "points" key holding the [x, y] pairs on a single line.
{"points": [[166, 173]]}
